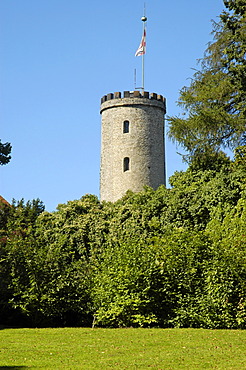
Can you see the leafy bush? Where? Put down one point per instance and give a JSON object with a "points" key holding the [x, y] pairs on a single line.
{"points": [[170, 257]]}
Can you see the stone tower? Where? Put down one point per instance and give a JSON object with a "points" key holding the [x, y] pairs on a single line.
{"points": [[132, 143]]}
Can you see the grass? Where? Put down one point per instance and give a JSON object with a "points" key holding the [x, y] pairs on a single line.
{"points": [[84, 348]]}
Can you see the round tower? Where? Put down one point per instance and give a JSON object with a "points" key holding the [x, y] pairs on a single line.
{"points": [[132, 143]]}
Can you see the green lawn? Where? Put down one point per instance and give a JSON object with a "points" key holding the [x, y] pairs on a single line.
{"points": [[85, 348]]}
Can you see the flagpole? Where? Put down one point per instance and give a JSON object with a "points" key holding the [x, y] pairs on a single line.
{"points": [[142, 48], [143, 19]]}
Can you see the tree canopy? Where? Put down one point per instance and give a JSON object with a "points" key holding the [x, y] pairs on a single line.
{"points": [[5, 150], [169, 258], [215, 101]]}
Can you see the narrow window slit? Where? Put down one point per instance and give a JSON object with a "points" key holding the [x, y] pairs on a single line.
{"points": [[126, 126], [126, 164]]}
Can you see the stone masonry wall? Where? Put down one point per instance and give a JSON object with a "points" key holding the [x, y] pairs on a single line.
{"points": [[143, 145]]}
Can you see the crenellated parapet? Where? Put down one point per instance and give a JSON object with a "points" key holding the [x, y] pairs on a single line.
{"points": [[132, 98], [133, 94]]}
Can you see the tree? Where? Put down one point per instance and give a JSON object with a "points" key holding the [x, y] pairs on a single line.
{"points": [[48, 257], [216, 98], [17, 241], [5, 150], [170, 257]]}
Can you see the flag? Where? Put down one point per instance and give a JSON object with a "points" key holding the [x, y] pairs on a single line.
{"points": [[142, 47]]}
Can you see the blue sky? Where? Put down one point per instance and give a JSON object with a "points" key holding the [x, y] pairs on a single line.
{"points": [[59, 57]]}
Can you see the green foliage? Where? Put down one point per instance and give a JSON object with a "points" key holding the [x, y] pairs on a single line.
{"points": [[226, 272], [17, 234], [234, 54], [216, 98], [168, 258], [48, 283], [157, 268], [5, 150], [49, 264], [123, 286], [240, 159], [209, 160]]}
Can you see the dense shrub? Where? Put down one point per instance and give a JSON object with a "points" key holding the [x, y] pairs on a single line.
{"points": [[170, 257]]}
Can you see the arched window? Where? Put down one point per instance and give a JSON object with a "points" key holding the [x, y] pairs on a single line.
{"points": [[126, 164], [126, 125]]}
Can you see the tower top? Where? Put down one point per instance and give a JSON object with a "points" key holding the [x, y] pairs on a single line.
{"points": [[133, 98], [135, 94]]}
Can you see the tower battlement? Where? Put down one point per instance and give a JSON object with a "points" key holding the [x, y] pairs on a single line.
{"points": [[133, 94], [132, 98]]}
